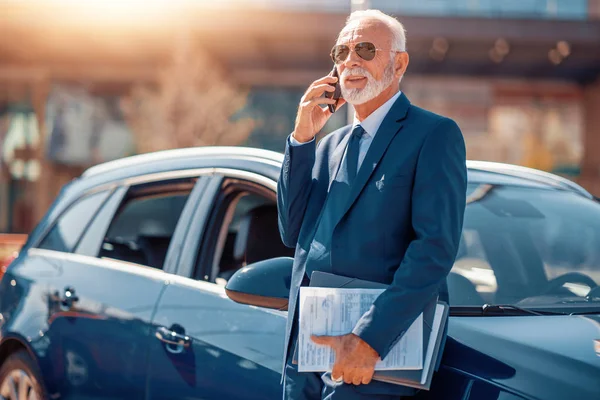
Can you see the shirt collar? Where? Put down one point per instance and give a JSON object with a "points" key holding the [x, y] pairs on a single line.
{"points": [[372, 122]]}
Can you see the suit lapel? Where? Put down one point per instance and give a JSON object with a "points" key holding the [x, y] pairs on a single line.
{"points": [[334, 163], [390, 126]]}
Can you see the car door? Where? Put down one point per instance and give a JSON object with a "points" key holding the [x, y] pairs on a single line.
{"points": [[220, 349], [101, 289]]}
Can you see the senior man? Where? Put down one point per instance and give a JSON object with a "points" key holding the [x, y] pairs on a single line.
{"points": [[382, 200]]}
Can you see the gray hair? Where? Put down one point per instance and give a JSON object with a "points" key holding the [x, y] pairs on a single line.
{"points": [[397, 29]]}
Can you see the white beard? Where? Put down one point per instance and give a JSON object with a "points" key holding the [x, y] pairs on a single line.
{"points": [[372, 89]]}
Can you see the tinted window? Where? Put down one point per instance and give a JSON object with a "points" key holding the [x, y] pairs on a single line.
{"points": [[233, 256], [517, 241], [92, 238], [142, 228], [70, 225], [247, 233]]}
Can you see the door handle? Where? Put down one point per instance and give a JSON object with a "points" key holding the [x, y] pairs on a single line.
{"points": [[68, 298], [175, 341]]}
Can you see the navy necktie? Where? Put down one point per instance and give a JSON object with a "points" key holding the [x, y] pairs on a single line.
{"points": [[353, 151]]}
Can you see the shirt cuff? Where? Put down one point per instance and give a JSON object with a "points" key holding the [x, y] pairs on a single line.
{"points": [[294, 142]]}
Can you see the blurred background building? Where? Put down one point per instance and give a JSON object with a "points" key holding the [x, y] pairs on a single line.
{"points": [[82, 82]]}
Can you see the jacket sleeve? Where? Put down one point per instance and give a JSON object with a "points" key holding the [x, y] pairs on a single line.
{"points": [[438, 206], [293, 189]]}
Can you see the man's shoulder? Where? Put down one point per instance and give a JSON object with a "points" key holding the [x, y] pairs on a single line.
{"points": [[421, 115], [429, 124]]}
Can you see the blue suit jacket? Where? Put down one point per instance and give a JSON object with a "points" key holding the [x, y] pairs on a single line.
{"points": [[401, 224]]}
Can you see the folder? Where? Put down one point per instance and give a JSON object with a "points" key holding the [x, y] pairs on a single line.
{"points": [[435, 316]]}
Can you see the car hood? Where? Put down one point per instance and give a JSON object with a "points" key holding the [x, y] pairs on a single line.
{"points": [[543, 357]]}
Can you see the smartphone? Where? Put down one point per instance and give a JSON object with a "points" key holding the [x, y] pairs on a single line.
{"points": [[338, 91]]}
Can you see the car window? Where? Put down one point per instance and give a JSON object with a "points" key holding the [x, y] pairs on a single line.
{"points": [[248, 233], [67, 230], [92, 238], [142, 228], [527, 246], [569, 243]]}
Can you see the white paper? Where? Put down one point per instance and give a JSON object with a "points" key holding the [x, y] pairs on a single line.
{"points": [[335, 311]]}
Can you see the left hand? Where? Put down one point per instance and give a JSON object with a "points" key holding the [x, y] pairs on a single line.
{"points": [[354, 359]]}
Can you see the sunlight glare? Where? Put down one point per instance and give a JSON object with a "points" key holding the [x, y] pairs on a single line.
{"points": [[119, 11]]}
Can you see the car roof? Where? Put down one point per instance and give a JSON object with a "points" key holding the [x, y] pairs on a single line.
{"points": [[196, 157], [179, 154]]}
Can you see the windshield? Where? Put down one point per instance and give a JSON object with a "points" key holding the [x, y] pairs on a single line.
{"points": [[528, 247]]}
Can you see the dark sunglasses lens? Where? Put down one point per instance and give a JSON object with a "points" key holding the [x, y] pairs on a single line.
{"points": [[366, 50], [339, 53]]}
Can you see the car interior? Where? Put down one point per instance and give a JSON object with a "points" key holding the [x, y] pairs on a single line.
{"points": [[251, 235]]}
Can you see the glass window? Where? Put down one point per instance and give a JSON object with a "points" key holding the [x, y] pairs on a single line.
{"points": [[70, 225], [527, 246], [92, 238], [248, 233], [142, 228]]}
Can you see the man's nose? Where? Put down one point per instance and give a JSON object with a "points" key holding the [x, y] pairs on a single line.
{"points": [[352, 60]]}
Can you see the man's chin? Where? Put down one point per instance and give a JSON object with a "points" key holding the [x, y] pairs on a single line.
{"points": [[355, 98]]}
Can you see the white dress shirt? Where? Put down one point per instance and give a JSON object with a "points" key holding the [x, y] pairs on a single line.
{"points": [[370, 124]]}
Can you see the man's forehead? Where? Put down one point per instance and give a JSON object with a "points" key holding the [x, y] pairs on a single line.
{"points": [[363, 30]]}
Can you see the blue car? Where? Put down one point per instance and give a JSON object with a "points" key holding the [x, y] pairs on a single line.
{"points": [[120, 291]]}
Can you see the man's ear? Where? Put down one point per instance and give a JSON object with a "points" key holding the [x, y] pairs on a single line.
{"points": [[400, 63]]}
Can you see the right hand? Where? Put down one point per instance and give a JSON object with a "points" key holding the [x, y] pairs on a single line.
{"points": [[311, 117]]}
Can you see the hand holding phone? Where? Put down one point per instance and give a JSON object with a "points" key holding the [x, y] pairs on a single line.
{"points": [[338, 91], [311, 116]]}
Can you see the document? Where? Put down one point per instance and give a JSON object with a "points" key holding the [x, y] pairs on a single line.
{"points": [[335, 311]]}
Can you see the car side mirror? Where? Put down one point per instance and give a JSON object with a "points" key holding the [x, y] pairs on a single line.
{"points": [[263, 284]]}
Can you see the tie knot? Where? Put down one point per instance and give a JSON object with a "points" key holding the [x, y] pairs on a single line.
{"points": [[358, 132]]}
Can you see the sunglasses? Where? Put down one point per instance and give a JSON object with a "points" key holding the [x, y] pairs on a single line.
{"points": [[365, 50]]}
